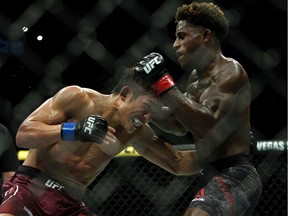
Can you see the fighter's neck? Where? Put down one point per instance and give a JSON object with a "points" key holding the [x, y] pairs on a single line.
{"points": [[110, 110], [205, 68]]}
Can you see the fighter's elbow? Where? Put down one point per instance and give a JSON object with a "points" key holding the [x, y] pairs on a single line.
{"points": [[21, 136], [19, 140]]}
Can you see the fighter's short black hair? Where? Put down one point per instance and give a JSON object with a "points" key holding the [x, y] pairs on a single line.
{"points": [[129, 78]]}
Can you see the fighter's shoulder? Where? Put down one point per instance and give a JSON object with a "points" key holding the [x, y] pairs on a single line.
{"points": [[230, 71], [72, 89], [75, 92], [233, 67]]}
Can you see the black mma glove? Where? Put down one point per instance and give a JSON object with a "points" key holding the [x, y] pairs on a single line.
{"points": [[91, 129], [151, 69]]}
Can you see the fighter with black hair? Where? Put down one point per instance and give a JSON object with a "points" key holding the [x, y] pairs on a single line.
{"points": [[73, 136]]}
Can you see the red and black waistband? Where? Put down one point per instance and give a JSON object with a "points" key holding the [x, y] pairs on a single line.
{"points": [[49, 181]]}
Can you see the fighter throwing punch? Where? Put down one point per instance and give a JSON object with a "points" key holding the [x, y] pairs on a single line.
{"points": [[215, 109], [70, 143]]}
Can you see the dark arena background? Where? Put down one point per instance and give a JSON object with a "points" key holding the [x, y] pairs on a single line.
{"points": [[46, 45]]}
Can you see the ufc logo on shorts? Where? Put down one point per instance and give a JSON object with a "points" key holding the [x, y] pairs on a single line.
{"points": [[150, 65], [54, 185], [89, 126]]}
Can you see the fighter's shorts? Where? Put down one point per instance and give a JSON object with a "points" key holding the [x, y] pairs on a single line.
{"points": [[233, 187], [33, 193]]}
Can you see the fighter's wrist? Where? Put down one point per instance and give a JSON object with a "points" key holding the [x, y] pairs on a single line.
{"points": [[68, 130], [163, 84]]}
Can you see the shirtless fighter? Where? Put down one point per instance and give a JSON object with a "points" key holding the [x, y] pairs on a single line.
{"points": [[215, 109], [70, 144]]}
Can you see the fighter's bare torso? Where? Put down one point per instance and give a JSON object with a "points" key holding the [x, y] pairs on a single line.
{"points": [[76, 163], [213, 90]]}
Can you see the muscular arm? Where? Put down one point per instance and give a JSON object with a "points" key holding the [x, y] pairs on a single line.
{"points": [[163, 154], [166, 121], [42, 127], [216, 112]]}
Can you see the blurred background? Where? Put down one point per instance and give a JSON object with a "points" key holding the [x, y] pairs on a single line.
{"points": [[48, 44]]}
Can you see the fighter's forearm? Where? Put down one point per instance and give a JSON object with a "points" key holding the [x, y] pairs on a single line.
{"points": [[163, 154], [37, 135], [196, 117], [170, 124]]}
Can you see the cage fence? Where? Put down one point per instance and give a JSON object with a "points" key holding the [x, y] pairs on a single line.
{"points": [[48, 44], [134, 186]]}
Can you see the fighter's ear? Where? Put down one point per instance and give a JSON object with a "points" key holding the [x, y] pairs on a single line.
{"points": [[125, 93], [207, 34]]}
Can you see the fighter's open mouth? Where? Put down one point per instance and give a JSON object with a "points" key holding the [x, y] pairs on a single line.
{"points": [[137, 122]]}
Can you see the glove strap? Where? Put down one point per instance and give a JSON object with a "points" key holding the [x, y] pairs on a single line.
{"points": [[68, 131], [163, 84]]}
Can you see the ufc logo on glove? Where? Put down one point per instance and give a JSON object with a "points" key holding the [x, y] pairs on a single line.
{"points": [[89, 126], [152, 71], [91, 129], [150, 65]]}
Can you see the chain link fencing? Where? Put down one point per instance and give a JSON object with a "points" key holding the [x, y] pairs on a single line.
{"points": [[133, 186], [48, 44]]}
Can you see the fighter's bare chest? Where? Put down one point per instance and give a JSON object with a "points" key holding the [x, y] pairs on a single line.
{"points": [[198, 88]]}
